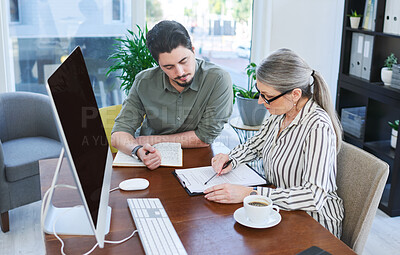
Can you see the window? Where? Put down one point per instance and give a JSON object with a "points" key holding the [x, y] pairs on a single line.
{"points": [[14, 11], [117, 10], [44, 32], [220, 30]]}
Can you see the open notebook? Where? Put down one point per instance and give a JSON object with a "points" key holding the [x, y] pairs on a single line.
{"points": [[171, 155]]}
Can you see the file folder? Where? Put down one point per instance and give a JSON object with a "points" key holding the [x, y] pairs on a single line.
{"points": [[388, 24], [369, 14], [356, 54], [396, 16], [392, 17], [396, 77], [367, 56]]}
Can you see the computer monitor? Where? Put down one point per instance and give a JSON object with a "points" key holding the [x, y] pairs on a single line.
{"points": [[86, 149]]}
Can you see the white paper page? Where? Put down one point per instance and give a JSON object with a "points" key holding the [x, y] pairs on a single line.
{"points": [[122, 159], [171, 153], [194, 178]]}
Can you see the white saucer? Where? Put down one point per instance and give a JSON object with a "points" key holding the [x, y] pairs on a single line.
{"points": [[240, 217]]}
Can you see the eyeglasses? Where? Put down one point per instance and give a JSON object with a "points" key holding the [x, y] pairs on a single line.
{"points": [[269, 101]]}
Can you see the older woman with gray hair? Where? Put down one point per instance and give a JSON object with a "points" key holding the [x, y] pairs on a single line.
{"points": [[298, 143]]}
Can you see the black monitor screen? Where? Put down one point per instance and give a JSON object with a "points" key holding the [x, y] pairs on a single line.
{"points": [[76, 106]]}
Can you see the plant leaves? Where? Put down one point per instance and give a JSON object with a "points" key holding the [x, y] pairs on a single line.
{"points": [[394, 125], [251, 77], [130, 57]]}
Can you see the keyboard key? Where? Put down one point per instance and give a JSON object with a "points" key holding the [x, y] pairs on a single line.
{"points": [[141, 204], [152, 203], [163, 213], [158, 203], [167, 236], [135, 203], [146, 203]]}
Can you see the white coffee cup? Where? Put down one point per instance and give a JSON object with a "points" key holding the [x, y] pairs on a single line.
{"points": [[258, 208]]}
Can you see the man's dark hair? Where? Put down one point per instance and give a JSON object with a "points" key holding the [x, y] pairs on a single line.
{"points": [[166, 36]]}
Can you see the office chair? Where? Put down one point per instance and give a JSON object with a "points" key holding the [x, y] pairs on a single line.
{"points": [[361, 178], [108, 115], [27, 134]]}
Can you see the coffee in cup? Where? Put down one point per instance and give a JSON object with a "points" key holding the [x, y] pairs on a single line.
{"points": [[256, 203], [258, 208]]}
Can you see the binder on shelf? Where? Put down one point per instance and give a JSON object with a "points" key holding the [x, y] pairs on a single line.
{"points": [[374, 15], [388, 24], [392, 17], [357, 44], [367, 57], [396, 17], [369, 14], [395, 77]]}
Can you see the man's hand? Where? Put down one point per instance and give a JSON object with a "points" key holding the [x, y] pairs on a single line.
{"points": [[149, 156]]}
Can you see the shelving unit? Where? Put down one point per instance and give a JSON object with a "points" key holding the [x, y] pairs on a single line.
{"points": [[382, 102]]}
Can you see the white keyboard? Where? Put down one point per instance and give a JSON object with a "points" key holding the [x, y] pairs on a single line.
{"points": [[156, 231]]}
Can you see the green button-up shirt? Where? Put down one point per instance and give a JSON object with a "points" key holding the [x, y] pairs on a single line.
{"points": [[204, 106]]}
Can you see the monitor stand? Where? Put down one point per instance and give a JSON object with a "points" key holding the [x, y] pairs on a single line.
{"points": [[67, 220]]}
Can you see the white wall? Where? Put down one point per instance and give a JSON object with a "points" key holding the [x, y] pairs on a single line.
{"points": [[312, 28]]}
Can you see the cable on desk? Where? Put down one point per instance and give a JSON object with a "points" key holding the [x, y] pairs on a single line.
{"points": [[114, 189], [46, 194], [54, 228], [42, 219], [115, 242], [45, 197]]}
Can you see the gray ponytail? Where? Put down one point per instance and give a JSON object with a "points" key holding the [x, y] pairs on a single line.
{"points": [[285, 70]]}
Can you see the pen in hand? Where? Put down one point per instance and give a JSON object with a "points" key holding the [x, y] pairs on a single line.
{"points": [[223, 167]]}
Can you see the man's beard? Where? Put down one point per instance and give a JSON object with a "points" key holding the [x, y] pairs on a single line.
{"points": [[184, 84]]}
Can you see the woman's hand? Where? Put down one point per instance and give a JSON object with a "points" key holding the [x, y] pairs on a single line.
{"points": [[227, 193], [218, 162]]}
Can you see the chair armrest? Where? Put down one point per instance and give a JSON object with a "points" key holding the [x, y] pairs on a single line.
{"points": [[1, 160], [4, 190]]}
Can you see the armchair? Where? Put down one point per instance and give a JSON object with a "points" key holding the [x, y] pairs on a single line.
{"points": [[27, 134]]}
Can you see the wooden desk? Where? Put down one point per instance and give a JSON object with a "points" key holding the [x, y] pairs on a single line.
{"points": [[204, 227]]}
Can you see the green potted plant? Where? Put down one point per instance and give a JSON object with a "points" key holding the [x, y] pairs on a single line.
{"points": [[131, 56], [354, 19], [395, 128], [251, 113], [386, 71]]}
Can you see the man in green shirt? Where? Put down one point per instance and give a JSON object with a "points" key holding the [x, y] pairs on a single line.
{"points": [[184, 99]]}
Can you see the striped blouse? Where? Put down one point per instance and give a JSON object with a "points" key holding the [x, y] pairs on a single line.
{"points": [[301, 163]]}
